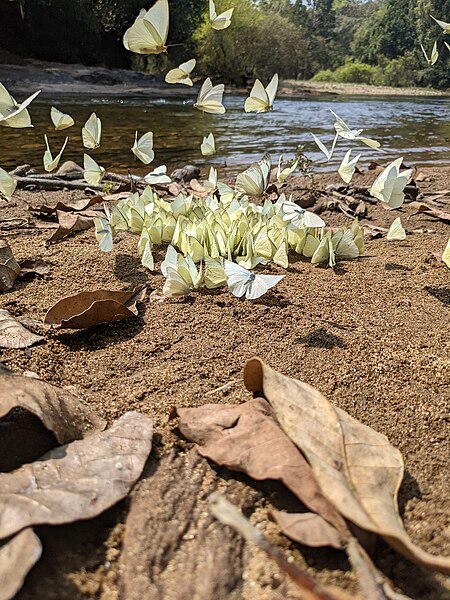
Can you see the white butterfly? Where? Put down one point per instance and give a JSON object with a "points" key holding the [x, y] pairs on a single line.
{"points": [[396, 231], [447, 45], [209, 99], [283, 174], [344, 131], [260, 99], [158, 176], [347, 167], [92, 132], [390, 183], [13, 114], [299, 217], [432, 60], [242, 281], [323, 148], [445, 26], [51, 163], [208, 146], [175, 285], [93, 172], [181, 73], [254, 180], [221, 21], [60, 120], [148, 34], [143, 147], [7, 184], [103, 234], [210, 184]]}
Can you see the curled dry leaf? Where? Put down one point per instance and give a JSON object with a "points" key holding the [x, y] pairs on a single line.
{"points": [[72, 222], [247, 438], [9, 267], [357, 468], [79, 480], [228, 514], [422, 207], [61, 411], [17, 557], [13, 334], [92, 308], [70, 206]]}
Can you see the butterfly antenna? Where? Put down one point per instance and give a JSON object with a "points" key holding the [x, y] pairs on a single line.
{"points": [[132, 182]]}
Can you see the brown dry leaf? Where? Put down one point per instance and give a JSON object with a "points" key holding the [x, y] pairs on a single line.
{"points": [[17, 557], [61, 411], [79, 480], [92, 308], [72, 222], [247, 438], [421, 207], [74, 205], [228, 514], [13, 334], [33, 267], [308, 529], [9, 267], [356, 468]]}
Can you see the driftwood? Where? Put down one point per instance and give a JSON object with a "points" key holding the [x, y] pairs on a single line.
{"points": [[172, 547], [52, 184]]}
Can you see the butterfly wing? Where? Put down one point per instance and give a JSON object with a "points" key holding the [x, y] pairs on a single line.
{"points": [[175, 286], [396, 231], [148, 34], [103, 234], [60, 120], [93, 172], [258, 101], [208, 146], [210, 98], [261, 284], [446, 254], [272, 88], [92, 132], [7, 184], [143, 147]]}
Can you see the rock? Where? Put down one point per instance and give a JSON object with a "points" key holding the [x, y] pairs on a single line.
{"points": [[186, 173]]}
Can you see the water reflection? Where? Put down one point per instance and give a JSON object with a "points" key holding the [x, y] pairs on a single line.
{"points": [[416, 128]]}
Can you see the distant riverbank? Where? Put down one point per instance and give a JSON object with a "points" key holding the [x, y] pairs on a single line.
{"points": [[58, 79]]}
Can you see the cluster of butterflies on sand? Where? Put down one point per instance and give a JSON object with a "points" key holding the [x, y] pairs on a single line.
{"points": [[226, 224]]}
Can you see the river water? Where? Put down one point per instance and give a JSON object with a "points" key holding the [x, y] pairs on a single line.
{"points": [[417, 128]]}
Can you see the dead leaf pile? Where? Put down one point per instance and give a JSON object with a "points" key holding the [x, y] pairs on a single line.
{"points": [[64, 483], [92, 308], [341, 470]]}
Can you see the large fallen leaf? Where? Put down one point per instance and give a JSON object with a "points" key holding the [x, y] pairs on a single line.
{"points": [[246, 438], [61, 411], [357, 469], [79, 480], [92, 308], [13, 334], [72, 222], [9, 267], [16, 558], [69, 206], [228, 514]]}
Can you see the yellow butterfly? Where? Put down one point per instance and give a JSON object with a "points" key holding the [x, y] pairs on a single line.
{"points": [[208, 146], [60, 120], [260, 99], [221, 21], [148, 34], [92, 132], [13, 114], [390, 183], [93, 172], [7, 184], [396, 231], [347, 167], [143, 147], [446, 254], [181, 73], [254, 180], [51, 163], [432, 60], [209, 99]]}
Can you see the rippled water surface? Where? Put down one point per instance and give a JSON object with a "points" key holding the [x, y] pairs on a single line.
{"points": [[416, 128]]}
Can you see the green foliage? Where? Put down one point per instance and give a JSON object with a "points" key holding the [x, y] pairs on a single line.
{"points": [[258, 44]]}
